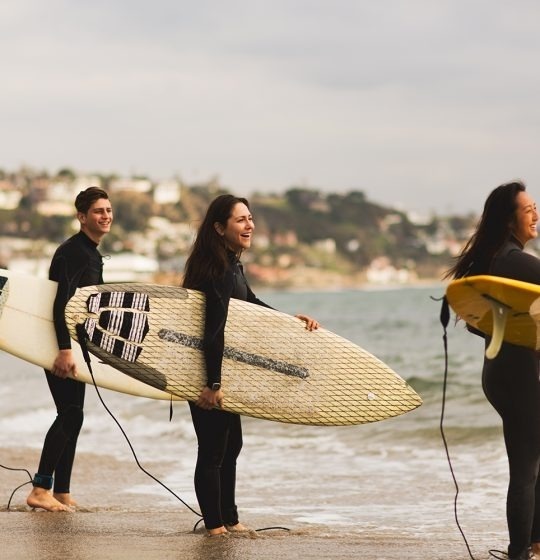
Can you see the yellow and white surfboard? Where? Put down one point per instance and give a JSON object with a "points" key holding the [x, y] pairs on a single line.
{"points": [[502, 308]]}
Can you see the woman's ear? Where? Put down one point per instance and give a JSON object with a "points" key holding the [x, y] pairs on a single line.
{"points": [[219, 228]]}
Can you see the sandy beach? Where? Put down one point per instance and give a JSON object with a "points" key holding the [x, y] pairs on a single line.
{"points": [[109, 535], [114, 523]]}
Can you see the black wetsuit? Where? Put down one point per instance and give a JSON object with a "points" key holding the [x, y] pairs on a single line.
{"points": [[75, 264], [219, 433], [511, 384]]}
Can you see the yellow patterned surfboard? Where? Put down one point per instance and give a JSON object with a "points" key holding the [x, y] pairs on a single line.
{"points": [[503, 308], [273, 368]]}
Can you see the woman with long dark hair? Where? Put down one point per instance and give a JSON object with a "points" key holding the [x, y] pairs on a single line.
{"points": [[214, 268], [511, 380]]}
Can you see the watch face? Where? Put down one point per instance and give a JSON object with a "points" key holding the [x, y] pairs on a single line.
{"points": [[216, 386]]}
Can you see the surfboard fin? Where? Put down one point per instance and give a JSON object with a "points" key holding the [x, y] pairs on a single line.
{"points": [[499, 312]]}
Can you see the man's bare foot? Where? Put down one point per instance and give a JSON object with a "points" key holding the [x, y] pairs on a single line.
{"points": [[218, 531], [66, 499], [43, 499]]}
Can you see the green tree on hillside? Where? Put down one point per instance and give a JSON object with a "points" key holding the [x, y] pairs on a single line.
{"points": [[132, 210]]}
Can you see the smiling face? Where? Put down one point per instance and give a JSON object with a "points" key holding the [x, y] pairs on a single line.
{"points": [[238, 229], [97, 221], [526, 218]]}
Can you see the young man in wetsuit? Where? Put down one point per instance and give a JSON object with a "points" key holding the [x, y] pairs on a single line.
{"points": [[76, 263]]}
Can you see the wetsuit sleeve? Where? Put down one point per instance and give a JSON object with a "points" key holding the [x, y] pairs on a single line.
{"points": [[67, 270], [218, 295], [519, 266], [252, 298]]}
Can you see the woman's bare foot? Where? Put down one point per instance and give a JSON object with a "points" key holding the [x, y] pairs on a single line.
{"points": [[43, 499], [66, 499], [217, 531], [238, 528]]}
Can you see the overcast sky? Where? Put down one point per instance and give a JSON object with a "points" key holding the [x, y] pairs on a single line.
{"points": [[423, 104]]}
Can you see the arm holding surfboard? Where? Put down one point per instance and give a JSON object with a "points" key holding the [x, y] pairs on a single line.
{"points": [[68, 267]]}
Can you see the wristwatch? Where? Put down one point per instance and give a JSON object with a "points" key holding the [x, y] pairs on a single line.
{"points": [[215, 386]]}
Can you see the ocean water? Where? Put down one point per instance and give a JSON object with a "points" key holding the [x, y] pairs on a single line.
{"points": [[392, 473]]}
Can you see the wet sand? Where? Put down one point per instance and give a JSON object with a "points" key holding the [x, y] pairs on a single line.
{"points": [[164, 535], [114, 523], [132, 536]]}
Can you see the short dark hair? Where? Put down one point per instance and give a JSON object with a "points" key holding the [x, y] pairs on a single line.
{"points": [[86, 198]]}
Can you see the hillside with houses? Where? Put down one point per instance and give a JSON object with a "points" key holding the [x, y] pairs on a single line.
{"points": [[305, 238]]}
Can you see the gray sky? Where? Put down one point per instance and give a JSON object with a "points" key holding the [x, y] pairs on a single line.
{"points": [[422, 104]]}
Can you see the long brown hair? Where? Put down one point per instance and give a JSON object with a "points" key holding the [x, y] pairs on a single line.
{"points": [[208, 258], [494, 228]]}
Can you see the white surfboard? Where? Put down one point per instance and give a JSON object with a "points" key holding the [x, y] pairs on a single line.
{"points": [[273, 367], [27, 331]]}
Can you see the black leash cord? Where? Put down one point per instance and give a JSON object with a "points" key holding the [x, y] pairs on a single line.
{"points": [[445, 318], [256, 530], [18, 487], [82, 341], [81, 335]]}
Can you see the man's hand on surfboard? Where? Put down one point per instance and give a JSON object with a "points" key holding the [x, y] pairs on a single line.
{"points": [[64, 364], [311, 324]]}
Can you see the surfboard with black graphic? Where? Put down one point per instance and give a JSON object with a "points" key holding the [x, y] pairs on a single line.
{"points": [[273, 368]]}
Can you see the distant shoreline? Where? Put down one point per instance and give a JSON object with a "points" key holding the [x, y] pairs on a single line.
{"points": [[300, 279], [363, 287]]}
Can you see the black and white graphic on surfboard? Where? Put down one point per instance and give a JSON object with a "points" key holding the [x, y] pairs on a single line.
{"points": [[117, 331]]}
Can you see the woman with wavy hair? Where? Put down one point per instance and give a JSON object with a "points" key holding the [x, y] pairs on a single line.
{"points": [[214, 268], [511, 380]]}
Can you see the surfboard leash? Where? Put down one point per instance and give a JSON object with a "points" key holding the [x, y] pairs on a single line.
{"points": [[277, 528], [82, 337], [20, 485], [445, 319]]}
